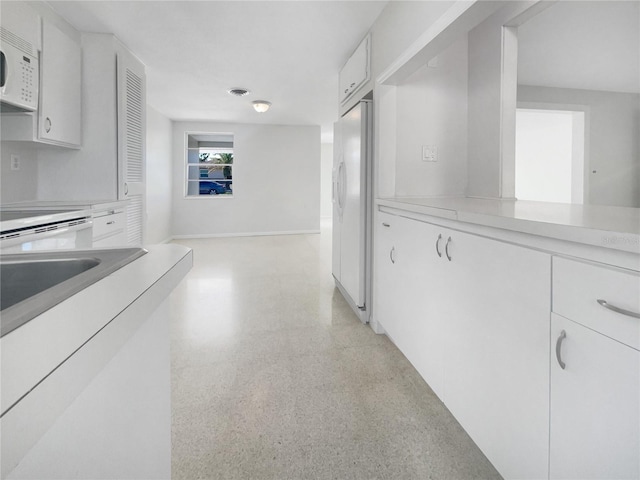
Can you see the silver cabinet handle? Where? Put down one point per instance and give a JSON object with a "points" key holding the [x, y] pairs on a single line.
{"points": [[613, 308], [391, 254], [111, 222], [47, 124], [438, 246], [562, 336], [352, 85], [384, 224], [126, 189], [446, 249]]}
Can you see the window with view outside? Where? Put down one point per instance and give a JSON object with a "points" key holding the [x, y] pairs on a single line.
{"points": [[209, 164]]}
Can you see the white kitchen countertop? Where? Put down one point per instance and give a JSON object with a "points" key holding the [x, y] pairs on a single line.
{"points": [[34, 350], [603, 226], [64, 204]]}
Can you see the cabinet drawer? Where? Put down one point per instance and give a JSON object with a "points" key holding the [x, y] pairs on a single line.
{"points": [[385, 221], [590, 295], [108, 225]]}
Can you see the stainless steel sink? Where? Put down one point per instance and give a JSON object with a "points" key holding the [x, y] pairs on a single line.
{"points": [[31, 283]]}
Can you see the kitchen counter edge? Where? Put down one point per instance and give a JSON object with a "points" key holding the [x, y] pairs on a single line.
{"points": [[615, 228], [32, 351]]}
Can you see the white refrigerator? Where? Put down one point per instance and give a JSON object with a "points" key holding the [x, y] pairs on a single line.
{"points": [[352, 207]]}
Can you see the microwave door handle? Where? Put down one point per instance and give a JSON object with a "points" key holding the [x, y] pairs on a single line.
{"points": [[3, 69]]}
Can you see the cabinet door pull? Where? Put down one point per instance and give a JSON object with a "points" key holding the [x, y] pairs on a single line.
{"points": [[392, 254], [47, 125], [111, 222], [562, 336], [446, 249], [384, 224], [613, 308], [438, 246]]}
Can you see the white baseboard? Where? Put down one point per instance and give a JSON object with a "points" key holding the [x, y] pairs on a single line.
{"points": [[244, 234]]}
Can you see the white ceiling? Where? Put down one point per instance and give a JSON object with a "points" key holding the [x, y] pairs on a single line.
{"points": [[286, 52], [593, 45]]}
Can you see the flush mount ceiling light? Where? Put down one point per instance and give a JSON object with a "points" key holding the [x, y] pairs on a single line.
{"points": [[238, 92], [261, 106]]}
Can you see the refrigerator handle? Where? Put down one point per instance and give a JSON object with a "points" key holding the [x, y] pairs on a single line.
{"points": [[343, 182], [334, 178], [340, 186]]}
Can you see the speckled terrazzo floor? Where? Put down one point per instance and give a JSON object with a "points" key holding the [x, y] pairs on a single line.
{"points": [[273, 377]]}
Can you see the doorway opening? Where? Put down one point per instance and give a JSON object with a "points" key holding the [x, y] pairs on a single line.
{"points": [[550, 155]]}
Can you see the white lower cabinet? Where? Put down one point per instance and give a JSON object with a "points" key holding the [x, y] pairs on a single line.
{"points": [[497, 361], [595, 372], [407, 282], [110, 228], [595, 406], [536, 355], [387, 277], [472, 316]]}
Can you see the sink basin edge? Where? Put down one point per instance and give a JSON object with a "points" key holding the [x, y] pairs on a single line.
{"points": [[110, 260]]}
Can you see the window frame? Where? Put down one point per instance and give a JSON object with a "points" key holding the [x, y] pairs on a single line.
{"points": [[187, 165]]}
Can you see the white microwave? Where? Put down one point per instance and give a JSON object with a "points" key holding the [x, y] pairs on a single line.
{"points": [[19, 77]]}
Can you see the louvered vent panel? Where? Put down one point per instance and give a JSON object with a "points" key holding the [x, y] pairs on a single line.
{"points": [[12, 39], [134, 147], [134, 220]]}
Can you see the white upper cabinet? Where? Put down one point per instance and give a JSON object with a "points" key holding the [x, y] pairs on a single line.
{"points": [[58, 120], [60, 111], [357, 71]]}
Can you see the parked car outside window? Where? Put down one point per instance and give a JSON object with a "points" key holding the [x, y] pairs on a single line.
{"points": [[211, 188]]}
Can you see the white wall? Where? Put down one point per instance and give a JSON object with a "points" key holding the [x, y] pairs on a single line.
{"points": [[485, 66], [276, 182], [432, 110], [399, 25], [159, 181], [613, 142], [492, 104], [18, 185], [326, 172], [589, 45]]}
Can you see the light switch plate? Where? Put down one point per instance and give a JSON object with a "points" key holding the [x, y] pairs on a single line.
{"points": [[15, 162], [429, 153]]}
